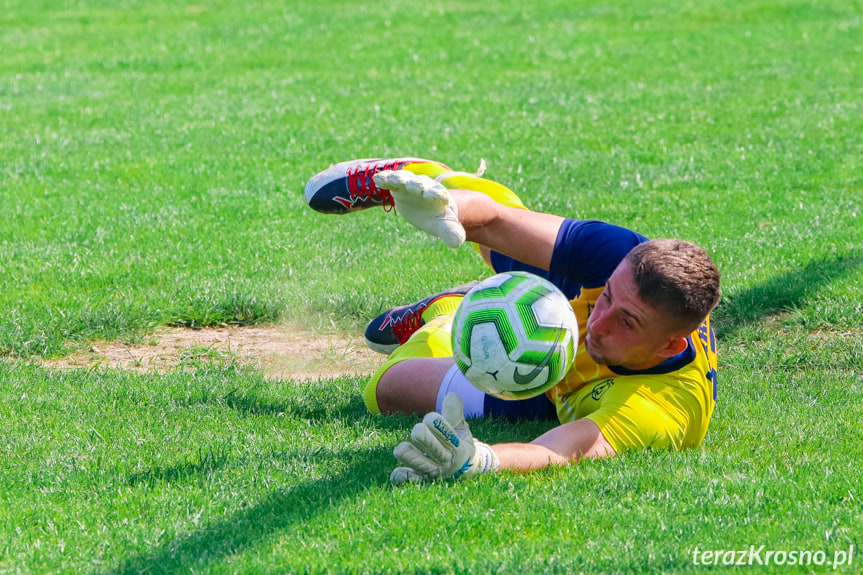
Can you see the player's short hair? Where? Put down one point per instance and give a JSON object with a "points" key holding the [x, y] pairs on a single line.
{"points": [[676, 277]]}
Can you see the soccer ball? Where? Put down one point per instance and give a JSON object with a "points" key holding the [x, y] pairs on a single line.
{"points": [[514, 335]]}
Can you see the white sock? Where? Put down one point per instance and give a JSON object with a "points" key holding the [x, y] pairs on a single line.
{"points": [[454, 381]]}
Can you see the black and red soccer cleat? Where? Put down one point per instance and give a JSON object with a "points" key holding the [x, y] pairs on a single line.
{"points": [[348, 186], [392, 328]]}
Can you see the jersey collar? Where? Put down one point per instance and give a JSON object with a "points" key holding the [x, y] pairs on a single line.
{"points": [[669, 365]]}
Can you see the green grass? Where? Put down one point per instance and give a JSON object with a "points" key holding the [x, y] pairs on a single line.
{"points": [[152, 160], [219, 470]]}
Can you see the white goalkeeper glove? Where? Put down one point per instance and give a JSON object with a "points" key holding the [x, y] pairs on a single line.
{"points": [[442, 447], [424, 203]]}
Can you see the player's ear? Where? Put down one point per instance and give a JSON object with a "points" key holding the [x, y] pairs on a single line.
{"points": [[674, 345]]}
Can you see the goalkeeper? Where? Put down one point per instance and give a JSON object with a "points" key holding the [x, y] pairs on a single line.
{"points": [[645, 369]]}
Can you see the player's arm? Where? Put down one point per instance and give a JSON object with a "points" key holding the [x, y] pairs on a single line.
{"points": [[457, 215], [442, 447], [562, 445], [523, 235]]}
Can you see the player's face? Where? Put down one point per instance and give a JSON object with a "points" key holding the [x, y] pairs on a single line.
{"points": [[623, 330]]}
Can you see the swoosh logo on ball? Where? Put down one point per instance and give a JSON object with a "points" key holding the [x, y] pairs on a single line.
{"points": [[524, 379]]}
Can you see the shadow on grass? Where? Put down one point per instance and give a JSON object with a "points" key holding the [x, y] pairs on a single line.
{"points": [[308, 409], [347, 472], [246, 402], [275, 513], [203, 465], [779, 294]]}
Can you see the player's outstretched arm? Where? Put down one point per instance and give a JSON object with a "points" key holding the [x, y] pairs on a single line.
{"points": [[562, 445], [442, 447], [456, 215], [526, 236]]}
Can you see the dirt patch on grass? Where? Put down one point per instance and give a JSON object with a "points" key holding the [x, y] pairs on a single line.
{"points": [[281, 352]]}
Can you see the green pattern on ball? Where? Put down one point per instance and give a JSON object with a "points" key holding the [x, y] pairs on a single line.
{"points": [[501, 291], [462, 365], [526, 313], [554, 364], [510, 309], [499, 318]]}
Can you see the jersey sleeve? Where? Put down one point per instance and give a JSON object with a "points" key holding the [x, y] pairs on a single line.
{"points": [[588, 251], [501, 263]]}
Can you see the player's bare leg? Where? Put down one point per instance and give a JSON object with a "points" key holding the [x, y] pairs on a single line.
{"points": [[412, 386], [409, 381]]}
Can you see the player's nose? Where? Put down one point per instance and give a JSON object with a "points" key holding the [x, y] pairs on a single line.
{"points": [[599, 322]]}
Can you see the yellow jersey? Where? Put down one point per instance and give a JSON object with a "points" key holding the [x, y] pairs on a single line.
{"points": [[669, 405]]}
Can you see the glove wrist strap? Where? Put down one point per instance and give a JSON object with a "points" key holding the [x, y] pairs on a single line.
{"points": [[487, 461]]}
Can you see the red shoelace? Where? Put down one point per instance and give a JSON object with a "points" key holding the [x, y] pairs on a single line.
{"points": [[362, 185], [405, 326]]}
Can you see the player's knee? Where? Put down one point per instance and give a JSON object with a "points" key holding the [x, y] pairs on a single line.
{"points": [[385, 389], [408, 386], [371, 390]]}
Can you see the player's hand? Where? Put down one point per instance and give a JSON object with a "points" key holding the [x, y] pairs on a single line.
{"points": [[442, 447], [424, 203]]}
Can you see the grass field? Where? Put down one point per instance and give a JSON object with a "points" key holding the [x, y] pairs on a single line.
{"points": [[152, 161]]}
